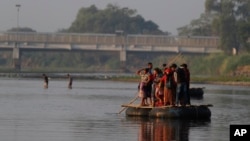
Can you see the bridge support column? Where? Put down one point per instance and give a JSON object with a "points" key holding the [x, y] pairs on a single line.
{"points": [[16, 59], [123, 58]]}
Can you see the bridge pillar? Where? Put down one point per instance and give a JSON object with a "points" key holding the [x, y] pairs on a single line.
{"points": [[123, 58], [16, 59]]}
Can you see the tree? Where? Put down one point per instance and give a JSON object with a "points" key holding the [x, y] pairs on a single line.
{"points": [[111, 19], [228, 19], [198, 27], [243, 24], [22, 29], [228, 37], [233, 17]]}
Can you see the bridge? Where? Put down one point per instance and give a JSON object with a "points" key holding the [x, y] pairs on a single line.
{"points": [[24, 41]]}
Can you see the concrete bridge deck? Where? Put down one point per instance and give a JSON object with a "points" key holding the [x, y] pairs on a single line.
{"points": [[107, 42], [20, 41]]}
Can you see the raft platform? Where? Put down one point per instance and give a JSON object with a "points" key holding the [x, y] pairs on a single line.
{"points": [[177, 112]]}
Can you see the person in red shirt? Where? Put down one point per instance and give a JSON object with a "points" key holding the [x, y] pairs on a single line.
{"points": [[169, 87], [157, 88]]}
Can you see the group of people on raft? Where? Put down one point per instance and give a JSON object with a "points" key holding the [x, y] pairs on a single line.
{"points": [[166, 86]]}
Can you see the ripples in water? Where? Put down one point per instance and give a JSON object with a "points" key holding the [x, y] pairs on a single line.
{"points": [[89, 112]]}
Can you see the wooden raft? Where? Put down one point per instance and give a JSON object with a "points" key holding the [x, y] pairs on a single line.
{"points": [[150, 107]]}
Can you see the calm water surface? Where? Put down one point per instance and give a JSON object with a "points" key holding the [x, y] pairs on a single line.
{"points": [[88, 112]]}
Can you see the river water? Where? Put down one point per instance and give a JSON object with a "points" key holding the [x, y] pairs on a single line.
{"points": [[88, 112]]}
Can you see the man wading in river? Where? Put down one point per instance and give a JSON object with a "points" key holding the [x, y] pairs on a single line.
{"points": [[70, 81], [46, 81]]}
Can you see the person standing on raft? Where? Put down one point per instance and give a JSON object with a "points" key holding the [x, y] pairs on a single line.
{"points": [[150, 83], [157, 88], [148, 87], [181, 88], [145, 78], [187, 74]]}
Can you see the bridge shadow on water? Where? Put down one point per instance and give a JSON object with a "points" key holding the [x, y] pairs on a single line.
{"points": [[165, 129]]}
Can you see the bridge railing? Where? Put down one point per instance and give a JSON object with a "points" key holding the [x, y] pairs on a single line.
{"points": [[193, 41], [110, 39]]}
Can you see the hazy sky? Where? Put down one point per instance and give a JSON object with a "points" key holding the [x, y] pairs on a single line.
{"points": [[51, 15]]}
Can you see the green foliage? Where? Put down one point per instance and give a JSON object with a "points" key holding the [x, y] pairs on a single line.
{"points": [[228, 19], [198, 27], [217, 64], [111, 19], [21, 29], [112, 64], [206, 65], [73, 61], [244, 32]]}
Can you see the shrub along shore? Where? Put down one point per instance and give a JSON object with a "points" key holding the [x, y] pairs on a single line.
{"points": [[224, 80], [213, 68]]}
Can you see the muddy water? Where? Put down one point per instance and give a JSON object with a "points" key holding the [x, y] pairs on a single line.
{"points": [[89, 112]]}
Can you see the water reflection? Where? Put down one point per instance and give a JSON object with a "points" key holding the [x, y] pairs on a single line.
{"points": [[165, 129]]}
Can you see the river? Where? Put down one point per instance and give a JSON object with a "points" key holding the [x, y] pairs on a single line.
{"points": [[88, 112]]}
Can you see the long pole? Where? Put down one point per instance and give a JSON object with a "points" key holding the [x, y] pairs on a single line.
{"points": [[174, 59], [133, 100]]}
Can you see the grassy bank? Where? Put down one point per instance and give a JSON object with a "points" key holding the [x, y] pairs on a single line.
{"points": [[203, 68], [218, 64]]}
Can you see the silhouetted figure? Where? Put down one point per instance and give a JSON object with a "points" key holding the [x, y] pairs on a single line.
{"points": [[70, 81], [187, 74], [46, 81]]}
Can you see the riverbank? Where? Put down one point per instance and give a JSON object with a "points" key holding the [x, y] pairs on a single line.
{"points": [[92, 76], [129, 77], [222, 80], [230, 83]]}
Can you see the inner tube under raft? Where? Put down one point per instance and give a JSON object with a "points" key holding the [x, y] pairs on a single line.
{"points": [[134, 111], [196, 93], [190, 112]]}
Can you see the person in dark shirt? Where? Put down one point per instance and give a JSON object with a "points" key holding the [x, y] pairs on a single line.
{"points": [[181, 88], [46, 81], [187, 74], [150, 83], [70, 81]]}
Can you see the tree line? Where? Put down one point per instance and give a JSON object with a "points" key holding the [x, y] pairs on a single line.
{"points": [[227, 19]]}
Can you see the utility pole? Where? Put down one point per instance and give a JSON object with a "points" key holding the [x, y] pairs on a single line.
{"points": [[17, 22], [16, 50]]}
